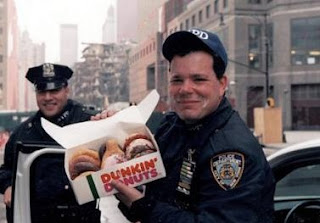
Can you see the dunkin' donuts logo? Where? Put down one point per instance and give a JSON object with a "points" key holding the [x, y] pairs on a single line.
{"points": [[132, 174], [199, 33]]}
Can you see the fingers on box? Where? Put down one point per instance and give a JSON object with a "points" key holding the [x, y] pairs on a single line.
{"points": [[86, 161]]}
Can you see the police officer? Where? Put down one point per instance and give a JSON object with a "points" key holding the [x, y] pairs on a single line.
{"points": [[52, 199], [216, 170]]}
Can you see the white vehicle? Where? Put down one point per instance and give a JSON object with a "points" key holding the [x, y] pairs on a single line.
{"points": [[26, 156], [296, 169], [297, 172]]}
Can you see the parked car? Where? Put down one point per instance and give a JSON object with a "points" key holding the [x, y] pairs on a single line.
{"points": [[296, 169], [297, 172]]}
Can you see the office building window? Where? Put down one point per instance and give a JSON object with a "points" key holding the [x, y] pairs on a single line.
{"points": [[151, 77], [216, 6], [193, 21], [200, 16], [305, 41], [208, 8], [225, 4], [187, 24], [254, 55], [254, 1]]}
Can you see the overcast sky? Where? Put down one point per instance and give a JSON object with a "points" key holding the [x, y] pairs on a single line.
{"points": [[42, 19]]}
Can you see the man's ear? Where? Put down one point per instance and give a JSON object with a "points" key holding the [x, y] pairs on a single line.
{"points": [[223, 84], [68, 90]]}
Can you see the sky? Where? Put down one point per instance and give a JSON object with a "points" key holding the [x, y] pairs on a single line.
{"points": [[42, 19]]}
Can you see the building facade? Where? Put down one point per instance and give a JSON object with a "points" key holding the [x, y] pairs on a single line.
{"points": [[109, 28], [102, 78], [273, 48], [127, 20], [148, 69], [30, 54], [68, 44], [8, 56]]}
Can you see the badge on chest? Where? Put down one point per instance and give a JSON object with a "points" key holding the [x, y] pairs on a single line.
{"points": [[227, 169], [186, 173]]}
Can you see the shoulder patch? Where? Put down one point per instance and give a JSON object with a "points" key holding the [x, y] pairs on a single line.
{"points": [[227, 169]]}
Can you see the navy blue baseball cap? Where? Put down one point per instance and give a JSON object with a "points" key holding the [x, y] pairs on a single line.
{"points": [[196, 39], [49, 76]]}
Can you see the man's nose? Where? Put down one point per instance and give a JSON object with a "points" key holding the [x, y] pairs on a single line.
{"points": [[187, 86], [47, 95]]}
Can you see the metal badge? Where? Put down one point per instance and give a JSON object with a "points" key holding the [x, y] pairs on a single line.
{"points": [[186, 173], [227, 169], [48, 70]]}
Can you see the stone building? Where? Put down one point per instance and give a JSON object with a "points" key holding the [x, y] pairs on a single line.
{"points": [[273, 48], [102, 78]]}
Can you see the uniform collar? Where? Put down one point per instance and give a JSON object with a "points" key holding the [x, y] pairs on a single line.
{"points": [[62, 118]]}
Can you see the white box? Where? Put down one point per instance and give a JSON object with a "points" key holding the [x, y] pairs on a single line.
{"points": [[93, 134]]}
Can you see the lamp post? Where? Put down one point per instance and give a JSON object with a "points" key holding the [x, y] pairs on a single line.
{"points": [[264, 35]]}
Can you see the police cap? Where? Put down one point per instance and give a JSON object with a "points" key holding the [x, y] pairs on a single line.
{"points": [[49, 76], [196, 39]]}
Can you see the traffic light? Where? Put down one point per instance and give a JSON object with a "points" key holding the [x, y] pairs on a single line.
{"points": [[270, 102]]}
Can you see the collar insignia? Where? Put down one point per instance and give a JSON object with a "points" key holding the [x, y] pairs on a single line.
{"points": [[227, 169]]}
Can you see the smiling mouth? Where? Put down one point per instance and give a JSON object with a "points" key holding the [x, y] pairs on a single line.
{"points": [[49, 105], [187, 102]]}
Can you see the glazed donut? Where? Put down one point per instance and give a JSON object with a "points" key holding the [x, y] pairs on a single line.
{"points": [[83, 160], [86, 151], [138, 144], [112, 155]]}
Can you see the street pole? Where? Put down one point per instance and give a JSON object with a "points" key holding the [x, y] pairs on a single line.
{"points": [[264, 37]]}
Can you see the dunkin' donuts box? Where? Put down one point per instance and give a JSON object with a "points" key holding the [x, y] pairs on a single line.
{"points": [[107, 138]]}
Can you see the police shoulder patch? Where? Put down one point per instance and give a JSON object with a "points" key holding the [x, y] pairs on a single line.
{"points": [[227, 169]]}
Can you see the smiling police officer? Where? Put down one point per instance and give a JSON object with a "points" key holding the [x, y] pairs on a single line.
{"points": [[52, 199], [216, 170]]}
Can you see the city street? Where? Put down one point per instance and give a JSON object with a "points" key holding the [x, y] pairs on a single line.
{"points": [[108, 204]]}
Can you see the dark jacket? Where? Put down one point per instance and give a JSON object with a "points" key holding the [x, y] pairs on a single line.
{"points": [[49, 183], [214, 198]]}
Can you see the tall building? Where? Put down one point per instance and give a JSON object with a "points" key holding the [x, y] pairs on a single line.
{"points": [[121, 22], [274, 51], [147, 68], [109, 29], [68, 44], [102, 78], [148, 18], [30, 54], [8, 56], [127, 20]]}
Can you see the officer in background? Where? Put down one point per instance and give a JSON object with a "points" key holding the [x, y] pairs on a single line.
{"points": [[216, 170], [52, 198]]}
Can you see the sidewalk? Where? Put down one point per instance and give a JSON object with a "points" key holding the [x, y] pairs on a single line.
{"points": [[292, 137]]}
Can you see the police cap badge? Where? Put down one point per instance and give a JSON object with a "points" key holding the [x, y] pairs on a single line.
{"points": [[49, 76]]}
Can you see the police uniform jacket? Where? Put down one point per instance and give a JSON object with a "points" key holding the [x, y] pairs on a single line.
{"points": [[221, 140], [51, 185]]}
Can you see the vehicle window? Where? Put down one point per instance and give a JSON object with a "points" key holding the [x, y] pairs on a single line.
{"points": [[303, 181]]}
